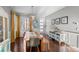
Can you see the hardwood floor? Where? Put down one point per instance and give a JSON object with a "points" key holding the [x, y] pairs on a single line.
{"points": [[17, 46], [53, 46]]}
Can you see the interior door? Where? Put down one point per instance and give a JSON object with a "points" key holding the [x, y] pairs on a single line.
{"points": [[1, 29]]}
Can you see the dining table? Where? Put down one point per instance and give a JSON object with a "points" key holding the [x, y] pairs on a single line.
{"points": [[28, 36]]}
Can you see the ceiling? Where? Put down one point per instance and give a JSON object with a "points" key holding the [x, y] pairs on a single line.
{"points": [[25, 10], [47, 10], [40, 11]]}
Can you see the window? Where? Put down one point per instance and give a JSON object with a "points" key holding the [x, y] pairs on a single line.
{"points": [[41, 24]]}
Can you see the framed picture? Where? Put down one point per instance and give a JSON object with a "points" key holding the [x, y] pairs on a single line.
{"points": [[57, 21], [64, 20], [52, 22], [35, 23]]}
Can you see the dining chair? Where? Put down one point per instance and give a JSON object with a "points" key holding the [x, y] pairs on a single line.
{"points": [[34, 42]]}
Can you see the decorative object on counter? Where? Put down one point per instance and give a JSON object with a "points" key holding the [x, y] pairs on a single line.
{"points": [[64, 20], [77, 25], [57, 21], [57, 29]]}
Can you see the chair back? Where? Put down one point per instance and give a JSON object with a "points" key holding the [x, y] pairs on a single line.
{"points": [[34, 42]]}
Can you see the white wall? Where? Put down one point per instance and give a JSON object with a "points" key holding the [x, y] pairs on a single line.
{"points": [[3, 13], [73, 15]]}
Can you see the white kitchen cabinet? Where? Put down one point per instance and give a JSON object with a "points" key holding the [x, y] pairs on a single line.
{"points": [[73, 39], [70, 38], [66, 37], [57, 36]]}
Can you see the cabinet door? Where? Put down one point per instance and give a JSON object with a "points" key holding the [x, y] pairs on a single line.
{"points": [[67, 37], [73, 39]]}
